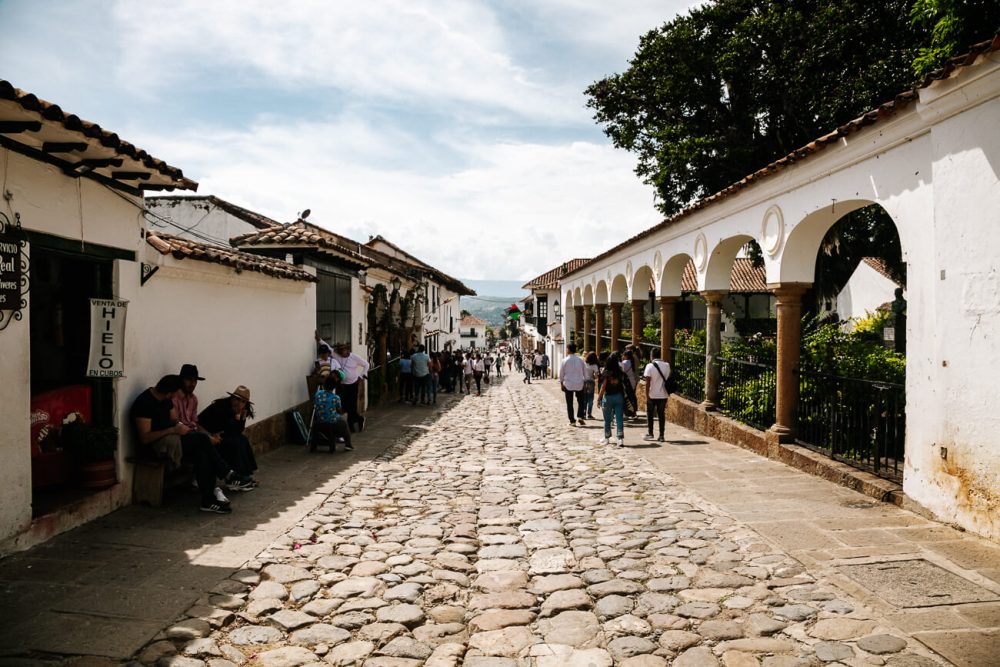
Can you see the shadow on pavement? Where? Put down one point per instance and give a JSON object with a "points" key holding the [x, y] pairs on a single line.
{"points": [[108, 587]]}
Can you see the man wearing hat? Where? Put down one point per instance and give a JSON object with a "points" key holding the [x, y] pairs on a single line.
{"points": [[224, 421], [186, 407]]}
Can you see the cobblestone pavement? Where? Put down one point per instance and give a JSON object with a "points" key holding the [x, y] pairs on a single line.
{"points": [[501, 537]]}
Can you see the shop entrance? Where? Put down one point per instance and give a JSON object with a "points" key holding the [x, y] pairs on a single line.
{"points": [[62, 284]]}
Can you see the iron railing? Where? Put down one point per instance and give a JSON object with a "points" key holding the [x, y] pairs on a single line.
{"points": [[747, 390], [689, 367], [859, 422], [383, 382]]}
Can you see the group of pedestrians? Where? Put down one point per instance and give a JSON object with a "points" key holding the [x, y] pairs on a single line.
{"points": [[423, 375], [613, 380], [534, 365]]}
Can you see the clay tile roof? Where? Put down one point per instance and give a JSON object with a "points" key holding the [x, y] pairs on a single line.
{"points": [[181, 248], [301, 233], [550, 279], [51, 114], [744, 279], [882, 112], [881, 267], [472, 321]]}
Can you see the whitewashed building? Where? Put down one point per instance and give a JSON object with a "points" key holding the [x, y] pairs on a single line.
{"points": [[928, 158], [472, 333], [869, 287], [74, 212], [204, 218]]}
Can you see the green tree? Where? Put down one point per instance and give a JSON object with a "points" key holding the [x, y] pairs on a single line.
{"points": [[953, 25], [716, 94]]}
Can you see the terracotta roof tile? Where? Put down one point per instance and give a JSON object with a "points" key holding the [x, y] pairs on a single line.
{"points": [[50, 112], [441, 277], [472, 321], [181, 248], [301, 233], [550, 279], [744, 279], [883, 111]]}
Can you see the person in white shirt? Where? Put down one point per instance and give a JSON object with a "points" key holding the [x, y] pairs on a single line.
{"points": [[478, 368], [354, 368], [572, 375], [656, 374]]}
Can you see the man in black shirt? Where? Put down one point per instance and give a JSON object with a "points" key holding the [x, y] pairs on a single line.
{"points": [[157, 427]]}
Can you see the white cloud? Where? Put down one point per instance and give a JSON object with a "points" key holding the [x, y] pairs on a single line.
{"points": [[429, 54], [516, 209]]}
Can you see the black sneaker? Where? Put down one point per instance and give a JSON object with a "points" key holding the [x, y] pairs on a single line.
{"points": [[217, 508], [361, 424], [348, 447], [660, 439]]}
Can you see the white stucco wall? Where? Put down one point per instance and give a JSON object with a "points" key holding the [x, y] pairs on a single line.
{"points": [[196, 219], [865, 291]]}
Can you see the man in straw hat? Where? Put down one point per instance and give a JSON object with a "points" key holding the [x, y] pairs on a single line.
{"points": [[224, 421]]}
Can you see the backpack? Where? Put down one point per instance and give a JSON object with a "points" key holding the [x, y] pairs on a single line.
{"points": [[669, 383]]}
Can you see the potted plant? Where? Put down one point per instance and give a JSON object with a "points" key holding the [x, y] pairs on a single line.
{"points": [[94, 447]]}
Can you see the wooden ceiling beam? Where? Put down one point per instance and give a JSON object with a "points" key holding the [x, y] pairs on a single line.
{"points": [[18, 126], [64, 146]]}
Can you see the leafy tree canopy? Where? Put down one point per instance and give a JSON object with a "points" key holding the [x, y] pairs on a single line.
{"points": [[715, 94]]}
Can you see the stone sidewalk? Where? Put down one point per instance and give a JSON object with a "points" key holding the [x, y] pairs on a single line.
{"points": [[491, 534]]}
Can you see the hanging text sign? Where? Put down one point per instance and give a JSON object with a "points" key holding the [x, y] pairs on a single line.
{"points": [[107, 338], [10, 270]]}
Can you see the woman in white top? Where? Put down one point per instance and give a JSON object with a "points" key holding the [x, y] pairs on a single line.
{"points": [[467, 373], [478, 368]]}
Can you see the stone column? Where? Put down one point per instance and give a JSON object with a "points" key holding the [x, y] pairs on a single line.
{"points": [[616, 325], [578, 316], [598, 326], [588, 321], [638, 320], [789, 306], [667, 308], [713, 345]]}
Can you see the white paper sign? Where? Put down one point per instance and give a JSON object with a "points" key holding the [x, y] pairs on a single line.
{"points": [[107, 338]]}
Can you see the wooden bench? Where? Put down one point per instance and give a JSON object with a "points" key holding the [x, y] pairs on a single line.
{"points": [[151, 477]]}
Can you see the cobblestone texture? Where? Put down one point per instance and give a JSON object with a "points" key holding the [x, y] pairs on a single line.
{"points": [[500, 537]]}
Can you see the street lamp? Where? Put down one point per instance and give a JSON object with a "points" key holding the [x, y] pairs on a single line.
{"points": [[396, 283], [557, 309]]}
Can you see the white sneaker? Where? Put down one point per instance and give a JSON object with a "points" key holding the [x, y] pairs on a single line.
{"points": [[621, 442], [220, 496], [602, 441]]}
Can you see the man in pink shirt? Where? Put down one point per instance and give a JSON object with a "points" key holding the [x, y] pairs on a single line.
{"points": [[185, 402]]}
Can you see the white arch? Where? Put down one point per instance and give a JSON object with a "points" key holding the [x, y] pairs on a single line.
{"points": [[641, 282]]}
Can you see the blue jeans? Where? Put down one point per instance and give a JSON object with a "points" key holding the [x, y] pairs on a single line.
{"points": [[614, 405]]}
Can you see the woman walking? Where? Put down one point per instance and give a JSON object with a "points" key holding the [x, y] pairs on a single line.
{"points": [[611, 398], [590, 382], [631, 379], [478, 370], [467, 372]]}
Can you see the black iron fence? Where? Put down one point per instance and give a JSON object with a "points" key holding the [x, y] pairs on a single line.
{"points": [[747, 390], [859, 422], [689, 367]]}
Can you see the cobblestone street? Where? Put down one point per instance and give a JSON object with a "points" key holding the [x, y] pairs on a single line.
{"points": [[498, 536]]}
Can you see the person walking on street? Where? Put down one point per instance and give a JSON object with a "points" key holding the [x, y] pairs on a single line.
{"points": [[631, 380], [478, 370], [467, 372], [572, 374], [421, 376], [545, 366], [611, 398], [590, 382], [499, 363], [655, 376], [355, 369], [527, 368]]}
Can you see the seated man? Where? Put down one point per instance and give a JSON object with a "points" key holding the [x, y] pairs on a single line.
{"points": [[224, 422], [186, 408], [328, 418], [156, 424]]}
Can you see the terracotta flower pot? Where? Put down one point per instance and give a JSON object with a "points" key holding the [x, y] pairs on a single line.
{"points": [[98, 475]]}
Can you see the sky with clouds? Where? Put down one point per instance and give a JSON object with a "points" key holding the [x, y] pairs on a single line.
{"points": [[455, 128]]}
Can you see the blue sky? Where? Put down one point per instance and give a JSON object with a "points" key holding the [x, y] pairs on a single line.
{"points": [[455, 128]]}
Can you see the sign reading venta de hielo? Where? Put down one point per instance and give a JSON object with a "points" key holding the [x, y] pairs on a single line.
{"points": [[10, 270], [107, 338]]}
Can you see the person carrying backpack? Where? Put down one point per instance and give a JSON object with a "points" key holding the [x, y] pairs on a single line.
{"points": [[658, 385]]}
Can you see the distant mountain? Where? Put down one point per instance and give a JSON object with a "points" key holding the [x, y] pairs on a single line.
{"points": [[492, 298], [499, 288]]}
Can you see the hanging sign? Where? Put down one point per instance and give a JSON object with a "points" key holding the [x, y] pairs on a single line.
{"points": [[10, 270], [107, 338]]}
